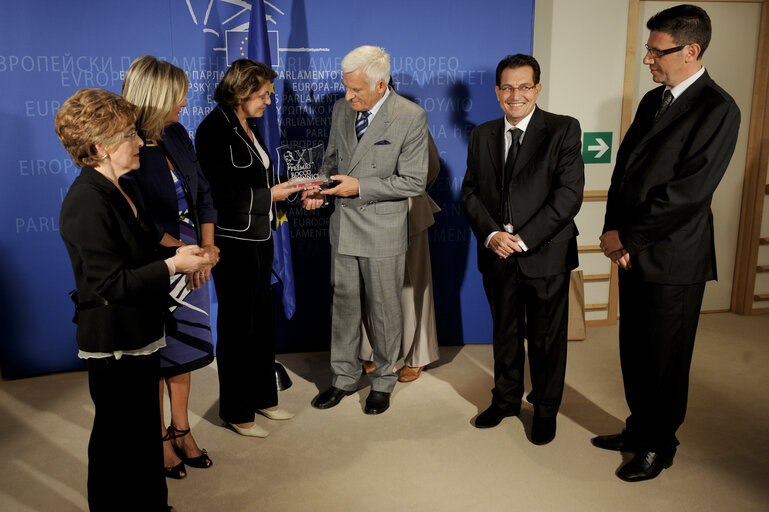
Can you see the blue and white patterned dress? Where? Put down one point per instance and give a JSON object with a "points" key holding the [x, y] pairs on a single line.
{"points": [[190, 346]]}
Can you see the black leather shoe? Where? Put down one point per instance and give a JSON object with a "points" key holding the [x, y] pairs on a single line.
{"points": [[645, 465], [492, 416], [542, 430], [330, 398], [377, 402], [615, 442]]}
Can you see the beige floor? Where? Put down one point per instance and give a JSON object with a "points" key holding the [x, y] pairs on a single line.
{"points": [[424, 453]]}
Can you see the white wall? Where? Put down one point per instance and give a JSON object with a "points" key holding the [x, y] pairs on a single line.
{"points": [[580, 45]]}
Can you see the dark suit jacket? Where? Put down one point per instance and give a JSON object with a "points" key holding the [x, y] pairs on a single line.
{"points": [[117, 265], [153, 189], [664, 180], [545, 189], [240, 184]]}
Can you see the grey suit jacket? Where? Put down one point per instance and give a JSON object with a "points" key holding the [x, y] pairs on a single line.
{"points": [[391, 163]]}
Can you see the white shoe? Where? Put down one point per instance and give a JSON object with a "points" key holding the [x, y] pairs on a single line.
{"points": [[277, 414], [252, 431]]}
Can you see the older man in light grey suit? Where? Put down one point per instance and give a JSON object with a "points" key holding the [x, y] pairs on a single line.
{"points": [[377, 152], [420, 336]]}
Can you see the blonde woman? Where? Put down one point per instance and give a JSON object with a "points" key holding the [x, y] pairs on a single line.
{"points": [[170, 186], [121, 278]]}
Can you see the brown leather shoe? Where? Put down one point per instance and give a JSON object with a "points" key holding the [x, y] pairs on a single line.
{"points": [[369, 366], [409, 373]]}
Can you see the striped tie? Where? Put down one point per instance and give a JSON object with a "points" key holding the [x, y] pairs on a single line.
{"points": [[667, 99], [361, 124]]}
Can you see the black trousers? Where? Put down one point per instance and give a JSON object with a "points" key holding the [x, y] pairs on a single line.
{"points": [[245, 346], [536, 309], [657, 328], [125, 452]]}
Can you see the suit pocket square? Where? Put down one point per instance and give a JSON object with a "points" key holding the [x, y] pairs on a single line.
{"points": [[382, 143]]}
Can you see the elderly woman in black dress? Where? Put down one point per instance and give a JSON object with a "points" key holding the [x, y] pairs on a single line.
{"points": [[122, 295], [237, 165], [171, 188]]}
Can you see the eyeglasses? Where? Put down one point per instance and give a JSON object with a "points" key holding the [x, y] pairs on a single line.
{"points": [[656, 54], [130, 135], [521, 88]]}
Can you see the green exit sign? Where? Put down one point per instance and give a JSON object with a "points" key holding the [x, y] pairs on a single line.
{"points": [[596, 148]]}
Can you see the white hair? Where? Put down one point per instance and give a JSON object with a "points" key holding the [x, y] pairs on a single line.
{"points": [[374, 61]]}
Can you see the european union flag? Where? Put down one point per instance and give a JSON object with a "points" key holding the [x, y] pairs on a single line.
{"points": [[282, 266], [236, 44]]}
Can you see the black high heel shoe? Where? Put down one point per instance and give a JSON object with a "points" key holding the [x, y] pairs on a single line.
{"points": [[176, 472], [202, 461]]}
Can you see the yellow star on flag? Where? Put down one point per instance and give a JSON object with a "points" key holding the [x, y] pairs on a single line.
{"points": [[282, 217]]}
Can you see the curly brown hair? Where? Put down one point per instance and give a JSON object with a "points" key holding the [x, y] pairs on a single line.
{"points": [[244, 77], [90, 117]]}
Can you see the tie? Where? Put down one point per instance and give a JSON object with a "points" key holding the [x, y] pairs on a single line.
{"points": [[507, 214], [667, 99], [361, 124], [512, 152]]}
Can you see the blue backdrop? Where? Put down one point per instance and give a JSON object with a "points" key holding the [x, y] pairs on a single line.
{"points": [[442, 57]]}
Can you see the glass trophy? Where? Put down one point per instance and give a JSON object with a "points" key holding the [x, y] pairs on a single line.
{"points": [[302, 166]]}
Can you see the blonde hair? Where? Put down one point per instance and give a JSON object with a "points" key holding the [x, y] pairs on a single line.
{"points": [[90, 117], [374, 61], [156, 87], [244, 77]]}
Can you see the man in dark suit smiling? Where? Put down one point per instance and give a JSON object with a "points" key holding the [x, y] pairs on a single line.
{"points": [[522, 189], [659, 230]]}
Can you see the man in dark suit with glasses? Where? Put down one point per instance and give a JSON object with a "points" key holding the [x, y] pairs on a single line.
{"points": [[659, 230]]}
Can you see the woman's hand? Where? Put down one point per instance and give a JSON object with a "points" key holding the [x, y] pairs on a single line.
{"points": [[282, 190], [212, 252], [190, 258], [197, 279], [193, 261]]}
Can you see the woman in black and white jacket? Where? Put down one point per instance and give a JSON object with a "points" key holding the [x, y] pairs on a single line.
{"points": [[238, 167]]}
